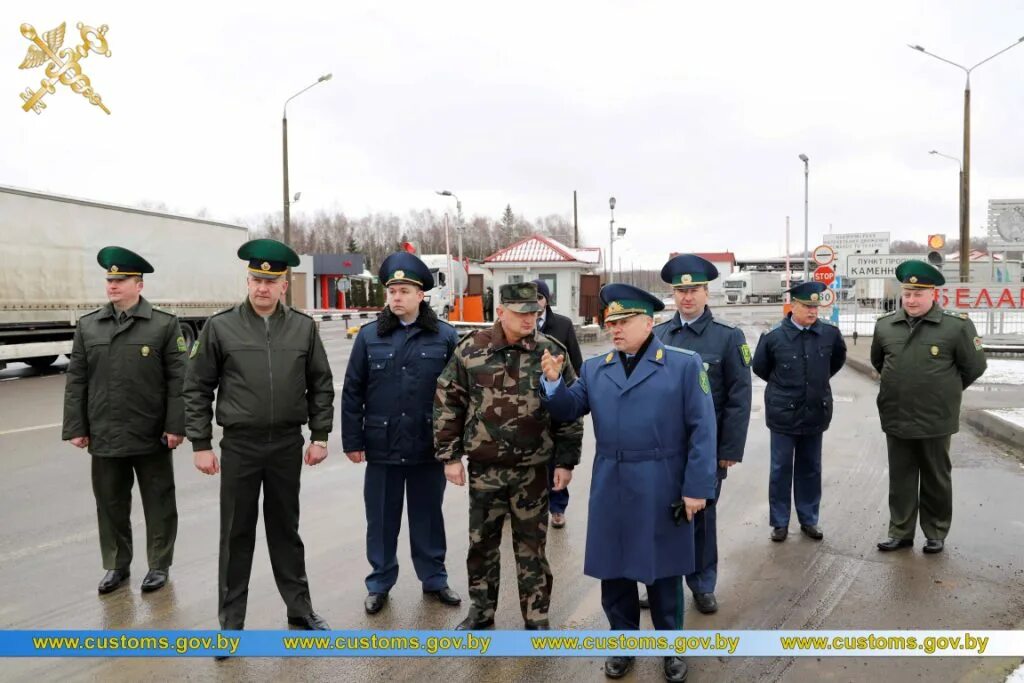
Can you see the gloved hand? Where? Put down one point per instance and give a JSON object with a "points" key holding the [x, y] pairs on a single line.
{"points": [[679, 512]]}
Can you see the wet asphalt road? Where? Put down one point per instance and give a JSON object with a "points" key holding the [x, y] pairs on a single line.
{"points": [[49, 559]]}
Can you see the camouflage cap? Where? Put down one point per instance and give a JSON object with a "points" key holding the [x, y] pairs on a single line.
{"points": [[519, 297]]}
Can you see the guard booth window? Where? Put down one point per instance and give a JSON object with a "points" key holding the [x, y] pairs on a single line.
{"points": [[551, 280]]}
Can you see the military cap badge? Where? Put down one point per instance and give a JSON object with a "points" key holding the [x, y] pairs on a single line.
{"points": [[814, 296], [399, 274], [913, 279], [113, 269], [615, 307], [686, 279], [265, 265]]}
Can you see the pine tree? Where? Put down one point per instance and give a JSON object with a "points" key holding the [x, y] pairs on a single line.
{"points": [[508, 220]]}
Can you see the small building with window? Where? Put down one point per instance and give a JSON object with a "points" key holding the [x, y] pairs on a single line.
{"points": [[572, 274]]}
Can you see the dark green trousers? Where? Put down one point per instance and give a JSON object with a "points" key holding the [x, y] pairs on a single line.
{"points": [[112, 481], [920, 478], [249, 464]]}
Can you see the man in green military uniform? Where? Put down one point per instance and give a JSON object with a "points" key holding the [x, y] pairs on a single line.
{"points": [[488, 408], [270, 371], [123, 402], [926, 357]]}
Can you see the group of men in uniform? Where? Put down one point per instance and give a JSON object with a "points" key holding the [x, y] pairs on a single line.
{"points": [[417, 400]]}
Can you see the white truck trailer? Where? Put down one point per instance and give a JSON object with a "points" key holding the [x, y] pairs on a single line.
{"points": [[754, 287], [49, 276]]}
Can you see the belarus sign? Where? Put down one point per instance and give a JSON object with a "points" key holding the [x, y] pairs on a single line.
{"points": [[996, 296], [824, 274], [875, 265], [823, 255]]}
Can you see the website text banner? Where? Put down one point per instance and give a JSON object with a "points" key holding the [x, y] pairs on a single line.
{"points": [[66, 643]]}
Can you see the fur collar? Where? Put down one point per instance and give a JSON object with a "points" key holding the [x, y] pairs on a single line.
{"points": [[388, 322]]}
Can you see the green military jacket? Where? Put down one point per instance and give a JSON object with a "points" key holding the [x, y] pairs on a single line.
{"points": [[924, 371], [488, 404], [271, 376], [124, 381]]}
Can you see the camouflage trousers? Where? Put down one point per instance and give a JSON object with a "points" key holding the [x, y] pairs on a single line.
{"points": [[494, 493]]}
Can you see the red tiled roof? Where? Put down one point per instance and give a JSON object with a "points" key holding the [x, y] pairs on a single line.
{"points": [[540, 248], [713, 256]]}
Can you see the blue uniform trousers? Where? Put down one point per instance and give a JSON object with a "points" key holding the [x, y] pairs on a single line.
{"points": [[557, 500], [705, 554], [621, 602], [796, 468], [384, 490]]}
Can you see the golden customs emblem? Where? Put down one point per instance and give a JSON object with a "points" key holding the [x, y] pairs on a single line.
{"points": [[62, 65]]}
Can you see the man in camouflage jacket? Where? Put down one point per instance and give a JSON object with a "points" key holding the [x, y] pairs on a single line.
{"points": [[488, 408]]}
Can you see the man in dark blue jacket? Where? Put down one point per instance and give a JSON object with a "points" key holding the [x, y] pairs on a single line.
{"points": [[387, 421], [726, 357], [797, 358]]}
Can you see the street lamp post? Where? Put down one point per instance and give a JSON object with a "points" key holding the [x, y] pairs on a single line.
{"points": [[611, 239], [284, 162], [807, 174], [458, 231], [961, 215], [965, 185]]}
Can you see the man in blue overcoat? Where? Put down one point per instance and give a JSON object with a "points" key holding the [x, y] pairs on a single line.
{"points": [[654, 469], [387, 408], [797, 359]]}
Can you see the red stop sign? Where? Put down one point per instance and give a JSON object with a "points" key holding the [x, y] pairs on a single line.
{"points": [[825, 275]]}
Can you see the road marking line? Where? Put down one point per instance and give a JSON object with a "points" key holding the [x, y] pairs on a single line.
{"points": [[31, 429]]}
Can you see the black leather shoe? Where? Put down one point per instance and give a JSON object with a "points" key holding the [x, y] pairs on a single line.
{"points": [[645, 602], [895, 544], [375, 602], [934, 545], [310, 622], [617, 667], [155, 580], [557, 520], [706, 603], [675, 669], [471, 623], [112, 580], [446, 596], [779, 533], [812, 531]]}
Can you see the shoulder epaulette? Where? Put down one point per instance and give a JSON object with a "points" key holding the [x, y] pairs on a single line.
{"points": [[886, 315], [776, 326], [226, 310], [723, 323], [302, 313], [827, 322], [954, 314], [463, 338], [556, 342], [92, 312], [663, 323], [679, 350]]}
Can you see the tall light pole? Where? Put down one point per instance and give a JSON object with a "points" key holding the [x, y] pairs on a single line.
{"points": [[611, 239], [965, 185], [284, 162], [458, 231], [807, 174], [961, 217]]}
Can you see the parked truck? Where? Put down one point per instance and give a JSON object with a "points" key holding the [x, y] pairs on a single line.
{"points": [[754, 287], [49, 277], [442, 297]]}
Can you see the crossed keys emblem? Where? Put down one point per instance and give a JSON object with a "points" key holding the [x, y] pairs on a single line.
{"points": [[63, 64]]}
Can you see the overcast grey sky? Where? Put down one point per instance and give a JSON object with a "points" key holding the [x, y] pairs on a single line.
{"points": [[691, 114]]}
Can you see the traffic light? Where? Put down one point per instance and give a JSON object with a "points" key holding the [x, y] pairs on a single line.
{"points": [[935, 245]]}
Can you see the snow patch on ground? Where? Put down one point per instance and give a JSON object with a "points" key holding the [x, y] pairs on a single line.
{"points": [[1014, 415], [1003, 371], [1017, 676]]}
